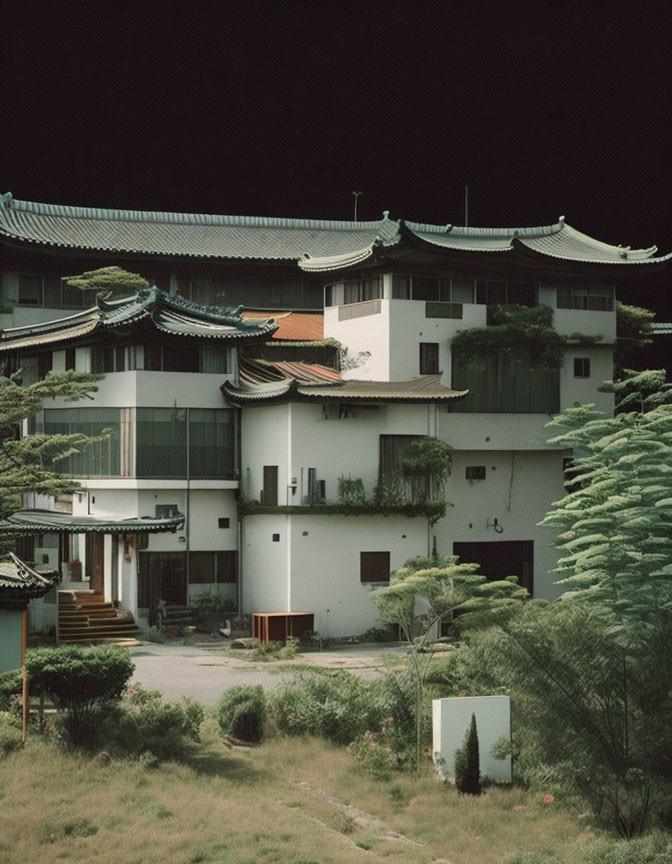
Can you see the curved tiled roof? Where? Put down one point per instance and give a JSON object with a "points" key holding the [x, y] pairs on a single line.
{"points": [[267, 382], [28, 522], [180, 234], [294, 326], [172, 315], [317, 245], [19, 583]]}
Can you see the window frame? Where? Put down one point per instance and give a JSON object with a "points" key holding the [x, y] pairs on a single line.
{"points": [[382, 562]]}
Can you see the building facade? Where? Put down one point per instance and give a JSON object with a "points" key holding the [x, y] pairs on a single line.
{"points": [[254, 425]]}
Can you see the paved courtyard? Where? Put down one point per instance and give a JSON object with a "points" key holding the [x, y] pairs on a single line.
{"points": [[204, 673]]}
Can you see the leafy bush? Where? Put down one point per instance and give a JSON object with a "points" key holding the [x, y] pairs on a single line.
{"points": [[211, 605], [11, 687], [241, 712], [382, 633], [655, 849], [332, 705], [83, 682], [351, 491], [276, 650], [155, 635], [10, 733], [144, 724]]}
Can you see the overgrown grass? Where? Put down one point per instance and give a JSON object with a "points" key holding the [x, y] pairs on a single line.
{"points": [[247, 806]]}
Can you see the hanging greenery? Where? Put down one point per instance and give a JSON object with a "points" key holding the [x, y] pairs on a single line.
{"points": [[518, 329], [429, 457]]}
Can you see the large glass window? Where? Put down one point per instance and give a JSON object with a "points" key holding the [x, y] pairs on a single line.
{"points": [[160, 358], [51, 292], [210, 442], [593, 297], [98, 459], [161, 438], [505, 382]]}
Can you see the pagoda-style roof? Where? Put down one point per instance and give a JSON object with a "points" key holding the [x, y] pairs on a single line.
{"points": [[32, 522], [316, 245], [19, 583], [262, 382], [171, 315]]}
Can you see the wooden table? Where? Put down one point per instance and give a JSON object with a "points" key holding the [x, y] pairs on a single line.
{"points": [[278, 626]]}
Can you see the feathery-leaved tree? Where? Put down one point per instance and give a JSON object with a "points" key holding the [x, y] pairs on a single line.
{"points": [[425, 592], [108, 279], [31, 464]]}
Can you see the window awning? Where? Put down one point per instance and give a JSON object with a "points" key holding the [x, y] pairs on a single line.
{"points": [[27, 522]]}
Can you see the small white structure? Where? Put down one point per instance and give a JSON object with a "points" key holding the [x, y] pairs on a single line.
{"points": [[450, 721]]}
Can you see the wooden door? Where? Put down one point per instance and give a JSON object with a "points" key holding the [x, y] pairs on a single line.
{"points": [[95, 562]]}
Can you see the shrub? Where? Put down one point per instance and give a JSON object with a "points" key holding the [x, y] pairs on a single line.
{"points": [[211, 605], [382, 633], [467, 765], [10, 733], [11, 687], [336, 706], [241, 712], [83, 682], [144, 724], [277, 650], [155, 635]]}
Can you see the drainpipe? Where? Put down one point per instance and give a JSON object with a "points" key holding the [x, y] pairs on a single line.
{"points": [[238, 462], [188, 508]]}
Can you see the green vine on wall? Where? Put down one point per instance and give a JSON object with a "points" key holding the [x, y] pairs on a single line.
{"points": [[516, 329]]}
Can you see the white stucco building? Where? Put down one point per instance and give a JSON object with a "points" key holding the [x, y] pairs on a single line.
{"points": [[244, 426]]}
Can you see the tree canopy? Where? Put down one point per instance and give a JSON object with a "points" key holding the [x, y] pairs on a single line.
{"points": [[109, 279], [30, 464]]}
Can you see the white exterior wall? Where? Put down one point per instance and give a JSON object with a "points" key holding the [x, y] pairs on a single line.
{"points": [[451, 719], [335, 447], [315, 565], [369, 333], [518, 491], [585, 389]]}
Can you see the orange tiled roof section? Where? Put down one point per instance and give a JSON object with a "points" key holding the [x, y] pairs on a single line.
{"points": [[294, 326]]}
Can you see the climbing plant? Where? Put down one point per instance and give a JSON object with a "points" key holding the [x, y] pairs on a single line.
{"points": [[516, 329], [431, 458]]}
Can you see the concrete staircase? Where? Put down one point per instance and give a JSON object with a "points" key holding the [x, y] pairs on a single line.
{"points": [[85, 617]]}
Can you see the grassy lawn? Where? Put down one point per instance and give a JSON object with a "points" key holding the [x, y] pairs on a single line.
{"points": [[289, 800]]}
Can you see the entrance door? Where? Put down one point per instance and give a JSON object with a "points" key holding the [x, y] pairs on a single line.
{"points": [[95, 558], [499, 559], [161, 576], [114, 575]]}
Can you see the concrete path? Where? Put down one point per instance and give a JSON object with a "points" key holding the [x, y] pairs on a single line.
{"points": [[184, 670]]}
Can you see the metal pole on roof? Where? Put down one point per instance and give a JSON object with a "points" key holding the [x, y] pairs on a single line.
{"points": [[356, 195], [466, 206]]}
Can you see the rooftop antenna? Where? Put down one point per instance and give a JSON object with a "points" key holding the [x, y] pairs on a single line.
{"points": [[466, 206], [356, 195]]}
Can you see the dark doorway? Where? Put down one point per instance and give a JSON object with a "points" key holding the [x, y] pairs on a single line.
{"points": [[500, 559], [95, 558], [161, 576], [270, 492]]}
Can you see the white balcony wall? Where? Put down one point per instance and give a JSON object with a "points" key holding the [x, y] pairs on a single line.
{"points": [[370, 333], [335, 447]]}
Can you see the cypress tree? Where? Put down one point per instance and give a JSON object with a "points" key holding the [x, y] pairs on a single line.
{"points": [[467, 765]]}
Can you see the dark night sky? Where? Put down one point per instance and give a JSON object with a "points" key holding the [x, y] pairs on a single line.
{"points": [[284, 109]]}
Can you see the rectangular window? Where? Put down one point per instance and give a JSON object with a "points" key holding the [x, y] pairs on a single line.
{"points": [[401, 287], [212, 567], [429, 358], [50, 291], [443, 310], [499, 293], [374, 567], [210, 442], [462, 290], [506, 383], [475, 472], [582, 367], [161, 449], [99, 459], [166, 511], [598, 298], [425, 288], [269, 495], [70, 354], [393, 483], [499, 559]]}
